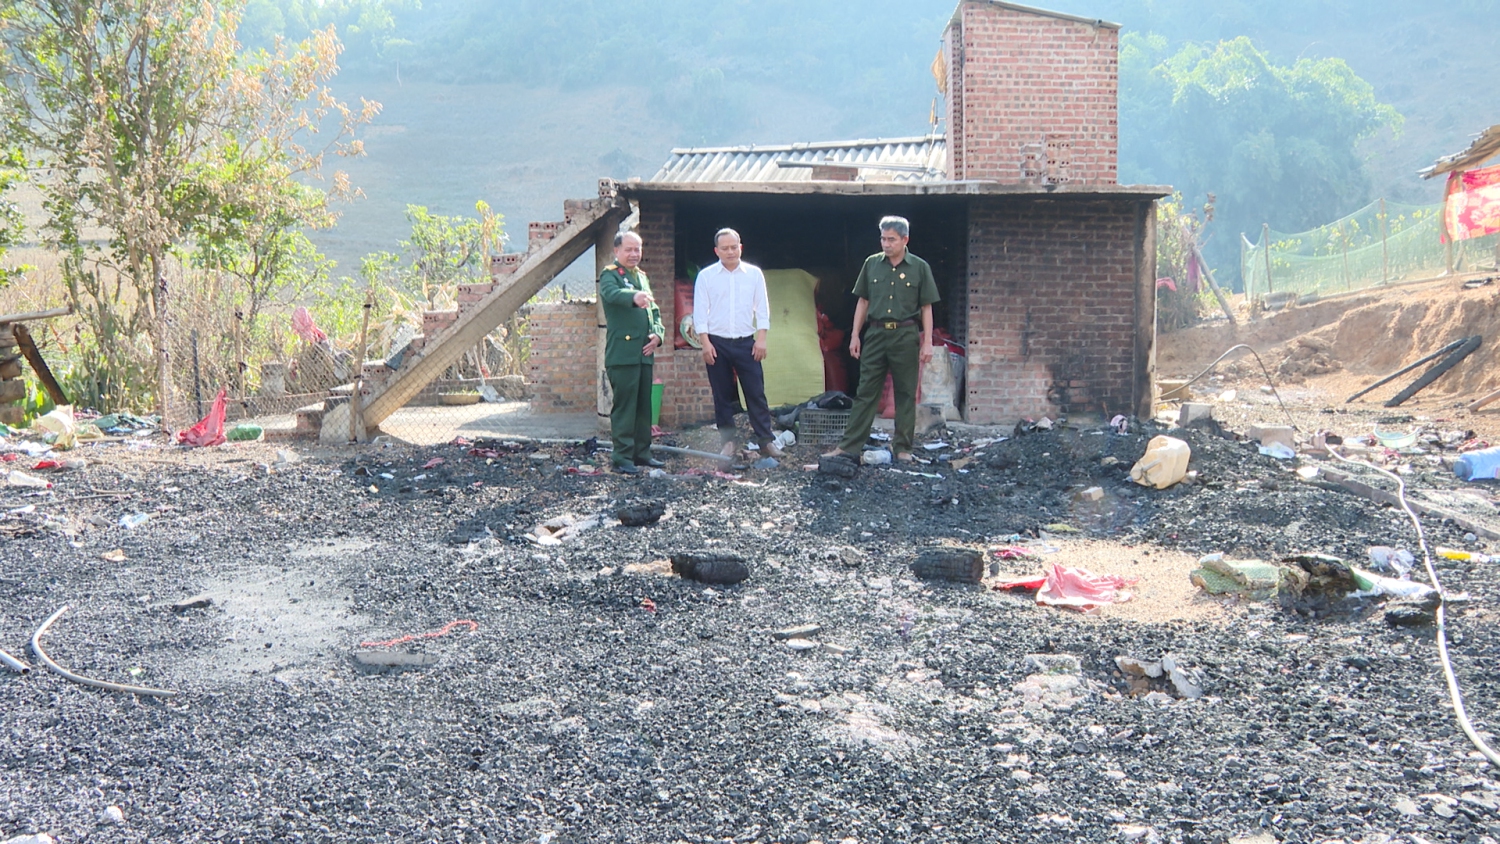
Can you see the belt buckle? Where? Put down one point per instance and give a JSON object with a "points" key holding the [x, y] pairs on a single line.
{"points": [[889, 324]]}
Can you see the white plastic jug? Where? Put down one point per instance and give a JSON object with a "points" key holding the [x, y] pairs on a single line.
{"points": [[1164, 463]]}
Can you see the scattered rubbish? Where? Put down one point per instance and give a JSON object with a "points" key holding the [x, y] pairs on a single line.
{"points": [[1397, 439], [1483, 464], [1384, 558], [1412, 612], [1253, 579], [1372, 585], [641, 513], [1120, 424], [434, 463], [802, 631], [38, 838], [1060, 527], [839, 466], [209, 430], [1269, 434], [112, 815], [245, 432], [14, 664], [58, 427], [765, 463], [489, 394], [18, 478], [785, 439], [714, 567], [648, 605], [556, 530], [1464, 556], [962, 565], [1279, 451], [1191, 412], [412, 637], [1132, 667], [131, 521], [875, 457], [1229, 395], [836, 650], [36, 648], [801, 645], [1073, 588], [1093, 493], [197, 602], [394, 659], [1164, 463], [1307, 473], [934, 446]]}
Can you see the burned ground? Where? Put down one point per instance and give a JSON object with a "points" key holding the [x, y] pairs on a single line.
{"points": [[601, 699]]}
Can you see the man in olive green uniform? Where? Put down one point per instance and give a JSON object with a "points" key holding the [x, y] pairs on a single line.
{"points": [[896, 291], [633, 334]]}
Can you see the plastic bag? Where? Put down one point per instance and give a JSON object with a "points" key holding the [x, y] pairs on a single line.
{"points": [[210, 429]]}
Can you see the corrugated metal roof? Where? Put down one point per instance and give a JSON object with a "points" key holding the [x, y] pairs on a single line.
{"points": [[920, 159], [1486, 145]]}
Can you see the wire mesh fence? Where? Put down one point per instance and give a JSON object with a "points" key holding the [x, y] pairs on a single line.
{"points": [[295, 375], [1382, 243]]}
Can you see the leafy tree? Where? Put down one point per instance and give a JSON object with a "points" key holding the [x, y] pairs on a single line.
{"points": [[443, 251], [12, 171], [154, 133], [1274, 144]]}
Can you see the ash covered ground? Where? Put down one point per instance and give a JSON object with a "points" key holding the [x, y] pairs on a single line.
{"points": [[599, 698]]}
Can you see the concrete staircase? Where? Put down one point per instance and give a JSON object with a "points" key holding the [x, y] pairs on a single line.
{"points": [[482, 307]]}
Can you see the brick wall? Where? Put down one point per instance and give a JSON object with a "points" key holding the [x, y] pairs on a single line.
{"points": [[1053, 287], [564, 345], [1015, 78], [685, 398]]}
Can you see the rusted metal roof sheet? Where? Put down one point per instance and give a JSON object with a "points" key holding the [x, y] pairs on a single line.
{"points": [[919, 159], [1485, 146]]}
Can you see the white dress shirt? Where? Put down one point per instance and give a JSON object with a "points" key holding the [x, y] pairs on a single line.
{"points": [[730, 303]]}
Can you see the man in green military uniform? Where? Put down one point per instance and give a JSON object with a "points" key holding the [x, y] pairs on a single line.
{"points": [[633, 334], [896, 290]]}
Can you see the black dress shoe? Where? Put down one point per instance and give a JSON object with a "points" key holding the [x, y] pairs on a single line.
{"points": [[627, 470], [650, 463]]}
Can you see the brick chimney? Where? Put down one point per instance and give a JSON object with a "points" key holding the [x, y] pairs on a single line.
{"points": [[1032, 95]]}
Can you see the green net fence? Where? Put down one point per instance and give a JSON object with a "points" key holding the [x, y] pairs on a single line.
{"points": [[1381, 243]]}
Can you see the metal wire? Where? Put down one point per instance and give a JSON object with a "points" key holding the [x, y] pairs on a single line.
{"points": [[1263, 370], [1454, 694], [36, 648]]}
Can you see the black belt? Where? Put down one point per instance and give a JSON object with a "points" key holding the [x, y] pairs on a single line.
{"points": [[891, 324]]}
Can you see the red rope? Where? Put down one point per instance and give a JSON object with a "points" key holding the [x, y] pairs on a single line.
{"points": [[441, 631]]}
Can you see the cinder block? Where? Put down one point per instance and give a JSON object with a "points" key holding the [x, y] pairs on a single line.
{"points": [[506, 263]]}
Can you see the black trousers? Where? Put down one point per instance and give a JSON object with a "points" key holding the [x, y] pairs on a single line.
{"points": [[735, 358]]}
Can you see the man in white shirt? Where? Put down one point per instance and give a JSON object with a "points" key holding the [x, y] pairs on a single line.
{"points": [[731, 316]]}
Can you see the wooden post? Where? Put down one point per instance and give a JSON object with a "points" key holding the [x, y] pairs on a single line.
{"points": [[1448, 257], [239, 355], [1208, 275], [357, 431], [1385, 255], [604, 253], [1265, 241], [1348, 281]]}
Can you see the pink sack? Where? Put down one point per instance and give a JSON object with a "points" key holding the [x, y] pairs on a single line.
{"points": [[210, 429]]}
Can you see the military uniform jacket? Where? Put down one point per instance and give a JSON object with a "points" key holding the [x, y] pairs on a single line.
{"points": [[896, 293], [629, 328]]}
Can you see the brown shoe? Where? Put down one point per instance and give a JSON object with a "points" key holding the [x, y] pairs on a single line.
{"points": [[905, 457], [771, 449], [730, 449]]}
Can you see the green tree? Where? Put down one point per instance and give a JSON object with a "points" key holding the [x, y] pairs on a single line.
{"points": [[156, 133], [1273, 144], [12, 221], [443, 251]]}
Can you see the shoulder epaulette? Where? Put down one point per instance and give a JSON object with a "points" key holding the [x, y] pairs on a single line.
{"points": [[612, 267]]}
